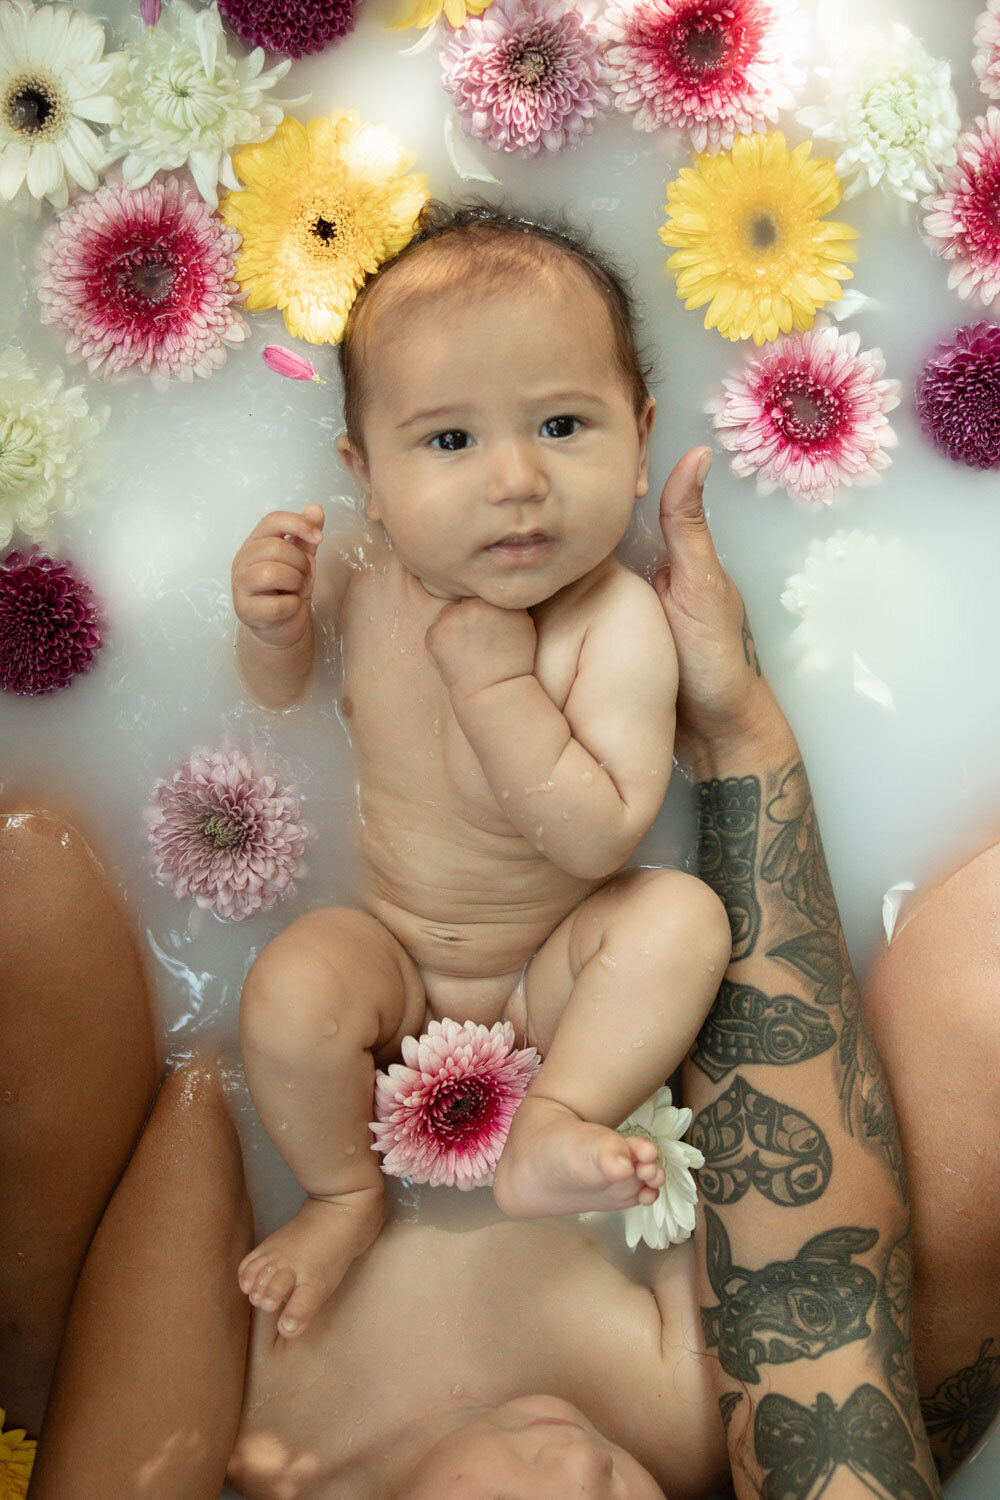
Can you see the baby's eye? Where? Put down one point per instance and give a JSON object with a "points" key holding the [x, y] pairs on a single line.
{"points": [[561, 427], [451, 442]]}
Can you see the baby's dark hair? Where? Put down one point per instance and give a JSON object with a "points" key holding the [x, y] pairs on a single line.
{"points": [[459, 234]]}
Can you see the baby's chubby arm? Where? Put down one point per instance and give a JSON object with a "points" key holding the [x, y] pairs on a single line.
{"points": [[273, 577], [584, 783]]}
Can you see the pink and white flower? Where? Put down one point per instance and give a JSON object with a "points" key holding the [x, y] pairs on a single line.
{"points": [[142, 282], [714, 68], [443, 1113], [809, 414], [986, 62], [225, 836], [527, 74], [962, 224]]}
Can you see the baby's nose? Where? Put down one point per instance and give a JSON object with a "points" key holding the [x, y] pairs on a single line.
{"points": [[515, 473]]}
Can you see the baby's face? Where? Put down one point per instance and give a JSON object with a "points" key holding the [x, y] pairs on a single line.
{"points": [[504, 455]]}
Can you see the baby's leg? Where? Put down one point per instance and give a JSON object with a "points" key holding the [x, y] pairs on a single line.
{"points": [[613, 1001], [327, 998]]}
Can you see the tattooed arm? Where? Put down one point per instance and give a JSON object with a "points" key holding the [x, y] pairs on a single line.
{"points": [[804, 1263]]}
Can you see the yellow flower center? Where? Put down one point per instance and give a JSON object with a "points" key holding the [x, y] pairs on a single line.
{"points": [[33, 106]]}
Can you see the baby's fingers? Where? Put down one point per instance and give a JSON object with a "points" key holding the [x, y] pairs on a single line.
{"points": [[271, 577], [305, 529]]}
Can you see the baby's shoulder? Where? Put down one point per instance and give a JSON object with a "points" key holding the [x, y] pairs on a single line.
{"points": [[620, 602]]}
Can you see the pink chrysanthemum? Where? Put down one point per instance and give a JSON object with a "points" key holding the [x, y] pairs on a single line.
{"points": [[224, 836], [50, 624], [986, 62], [715, 68], [294, 27], [443, 1113], [963, 224], [958, 396], [142, 281], [809, 415], [527, 74]]}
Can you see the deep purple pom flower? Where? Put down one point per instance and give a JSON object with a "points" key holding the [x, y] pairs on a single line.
{"points": [[958, 396], [50, 624], [289, 26]]}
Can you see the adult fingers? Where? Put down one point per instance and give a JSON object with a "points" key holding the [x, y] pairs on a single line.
{"points": [[682, 513]]}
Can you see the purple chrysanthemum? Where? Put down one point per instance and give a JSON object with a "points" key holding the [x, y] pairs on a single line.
{"points": [[958, 396], [289, 26], [224, 836], [527, 74], [50, 624]]}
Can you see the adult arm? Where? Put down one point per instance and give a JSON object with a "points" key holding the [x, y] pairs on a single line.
{"points": [[804, 1226]]}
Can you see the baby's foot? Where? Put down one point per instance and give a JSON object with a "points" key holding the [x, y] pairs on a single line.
{"points": [[556, 1163], [304, 1261]]}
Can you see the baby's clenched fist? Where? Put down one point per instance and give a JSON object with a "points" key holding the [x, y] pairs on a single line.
{"points": [[274, 573], [474, 644]]}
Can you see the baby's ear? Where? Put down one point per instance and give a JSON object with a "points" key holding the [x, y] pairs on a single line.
{"points": [[355, 461], [645, 430]]}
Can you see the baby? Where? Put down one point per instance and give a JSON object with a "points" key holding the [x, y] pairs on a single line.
{"points": [[510, 691]]}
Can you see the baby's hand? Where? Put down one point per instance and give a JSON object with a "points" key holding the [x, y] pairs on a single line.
{"points": [[474, 644], [274, 573]]}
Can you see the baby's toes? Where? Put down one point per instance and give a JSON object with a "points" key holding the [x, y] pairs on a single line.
{"points": [[651, 1173], [615, 1160], [272, 1286], [647, 1196], [250, 1268], [303, 1305]]}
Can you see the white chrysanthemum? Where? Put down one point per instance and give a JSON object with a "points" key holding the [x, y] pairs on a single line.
{"points": [[43, 430], [670, 1219], [893, 107], [986, 62], [188, 101], [851, 599], [56, 83]]}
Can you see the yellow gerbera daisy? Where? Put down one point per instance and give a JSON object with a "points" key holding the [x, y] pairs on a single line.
{"points": [[323, 206], [750, 243], [17, 1454], [423, 12]]}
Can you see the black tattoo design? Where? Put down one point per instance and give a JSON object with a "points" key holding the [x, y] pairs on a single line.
{"points": [[964, 1405], [800, 1447], [894, 1326], [791, 1309], [728, 818], [794, 859], [728, 1402], [747, 1026], [750, 1140], [749, 644]]}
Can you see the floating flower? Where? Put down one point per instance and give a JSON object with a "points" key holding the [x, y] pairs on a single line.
{"points": [[50, 624], [893, 107], [324, 205], [986, 62], [958, 396], [225, 836], [850, 588], [526, 75], [188, 101], [715, 68], [55, 85], [142, 281], [425, 12], [670, 1219], [443, 1113], [288, 26], [150, 10], [809, 414], [44, 431], [17, 1455], [746, 224], [962, 224], [286, 362]]}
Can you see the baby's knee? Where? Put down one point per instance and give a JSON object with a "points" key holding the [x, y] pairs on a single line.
{"points": [[679, 910]]}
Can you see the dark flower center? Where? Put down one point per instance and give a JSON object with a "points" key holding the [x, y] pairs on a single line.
{"points": [[705, 47], [531, 65], [325, 230], [223, 832], [763, 232], [146, 277], [461, 1106], [29, 110], [802, 408]]}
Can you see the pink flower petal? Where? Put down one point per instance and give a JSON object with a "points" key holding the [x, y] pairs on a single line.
{"points": [[286, 362]]}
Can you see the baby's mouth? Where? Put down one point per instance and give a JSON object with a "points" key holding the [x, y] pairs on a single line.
{"points": [[519, 542]]}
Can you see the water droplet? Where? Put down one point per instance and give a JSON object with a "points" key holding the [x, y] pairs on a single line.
{"points": [[539, 831], [331, 1028], [436, 727], [456, 1390], [8, 1096], [289, 1086], [504, 795], [540, 847], [564, 815], [283, 1125], [608, 961], [350, 1150], [587, 778], [638, 1045]]}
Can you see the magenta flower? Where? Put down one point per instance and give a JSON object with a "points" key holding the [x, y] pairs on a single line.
{"points": [[443, 1113], [714, 68], [293, 27], [224, 836], [986, 63], [963, 224], [50, 624], [527, 74], [142, 281], [809, 414], [958, 396], [286, 362]]}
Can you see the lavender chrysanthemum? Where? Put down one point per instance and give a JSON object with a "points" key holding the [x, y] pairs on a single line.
{"points": [[50, 624], [527, 74], [289, 26], [958, 396], [225, 836]]}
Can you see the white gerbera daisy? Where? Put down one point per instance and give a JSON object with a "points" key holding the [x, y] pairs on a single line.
{"points": [[55, 83], [893, 107], [669, 1220], [188, 101], [43, 430]]}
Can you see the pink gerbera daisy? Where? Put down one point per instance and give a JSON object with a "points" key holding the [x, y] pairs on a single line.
{"points": [[958, 396], [443, 1113], [986, 62], [527, 74], [809, 415], [715, 68], [963, 224], [225, 836], [142, 281]]}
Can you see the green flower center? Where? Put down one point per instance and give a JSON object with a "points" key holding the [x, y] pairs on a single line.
{"points": [[891, 113], [21, 458], [222, 832], [531, 65], [182, 97]]}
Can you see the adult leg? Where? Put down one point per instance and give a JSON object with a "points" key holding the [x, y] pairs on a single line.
{"points": [[932, 1009]]}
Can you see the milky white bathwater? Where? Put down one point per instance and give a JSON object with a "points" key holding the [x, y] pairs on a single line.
{"points": [[180, 478]]}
